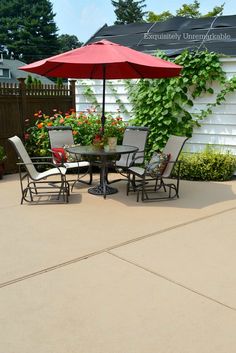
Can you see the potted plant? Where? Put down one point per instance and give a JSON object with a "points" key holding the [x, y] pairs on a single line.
{"points": [[2, 161], [114, 129]]}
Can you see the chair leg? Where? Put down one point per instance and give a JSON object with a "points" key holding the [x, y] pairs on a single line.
{"points": [[131, 183], [90, 172], [128, 184], [143, 188]]}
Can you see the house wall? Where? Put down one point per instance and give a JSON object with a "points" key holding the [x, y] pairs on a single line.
{"points": [[83, 103], [218, 129]]}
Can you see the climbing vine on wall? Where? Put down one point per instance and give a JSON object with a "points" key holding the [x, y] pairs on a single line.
{"points": [[119, 102], [165, 104], [227, 87], [90, 95]]}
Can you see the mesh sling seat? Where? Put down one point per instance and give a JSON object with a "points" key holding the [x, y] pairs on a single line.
{"points": [[133, 136], [155, 181], [60, 137], [35, 184]]}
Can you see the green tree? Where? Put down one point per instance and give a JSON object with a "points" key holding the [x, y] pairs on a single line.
{"points": [[191, 10], [27, 29], [129, 11], [68, 42], [154, 17], [216, 11]]}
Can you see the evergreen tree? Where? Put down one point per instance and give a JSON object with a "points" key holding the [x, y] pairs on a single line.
{"points": [[128, 11], [27, 29]]}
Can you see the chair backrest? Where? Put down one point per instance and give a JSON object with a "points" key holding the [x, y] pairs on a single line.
{"points": [[173, 147], [23, 155], [134, 136], [60, 136]]}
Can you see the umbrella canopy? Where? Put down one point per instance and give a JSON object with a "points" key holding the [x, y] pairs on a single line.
{"points": [[104, 60]]}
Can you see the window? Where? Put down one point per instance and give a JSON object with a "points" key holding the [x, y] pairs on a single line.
{"points": [[5, 73]]}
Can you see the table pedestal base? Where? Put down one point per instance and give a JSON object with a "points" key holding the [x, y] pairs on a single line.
{"points": [[99, 190]]}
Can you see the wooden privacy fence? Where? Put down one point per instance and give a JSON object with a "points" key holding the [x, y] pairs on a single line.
{"points": [[19, 102]]}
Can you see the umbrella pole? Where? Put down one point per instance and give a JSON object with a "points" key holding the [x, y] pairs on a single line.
{"points": [[103, 98]]}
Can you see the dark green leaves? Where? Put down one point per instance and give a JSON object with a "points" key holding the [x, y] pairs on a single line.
{"points": [[27, 29]]}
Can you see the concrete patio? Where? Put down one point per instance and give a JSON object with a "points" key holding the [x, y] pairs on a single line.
{"points": [[117, 276]]}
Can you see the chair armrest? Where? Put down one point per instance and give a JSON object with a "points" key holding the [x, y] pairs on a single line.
{"points": [[39, 159], [20, 164], [134, 160]]}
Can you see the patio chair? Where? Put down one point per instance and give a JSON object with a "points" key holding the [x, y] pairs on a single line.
{"points": [[60, 137], [156, 180], [35, 184], [133, 136]]}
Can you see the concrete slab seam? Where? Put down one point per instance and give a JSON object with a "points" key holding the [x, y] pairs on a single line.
{"points": [[84, 257], [171, 281]]}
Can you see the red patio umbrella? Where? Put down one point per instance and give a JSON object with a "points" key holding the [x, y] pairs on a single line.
{"points": [[104, 60]]}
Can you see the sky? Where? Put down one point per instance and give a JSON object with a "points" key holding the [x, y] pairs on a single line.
{"points": [[85, 17]]}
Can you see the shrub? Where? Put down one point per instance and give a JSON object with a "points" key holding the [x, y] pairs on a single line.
{"points": [[85, 126], [207, 165]]}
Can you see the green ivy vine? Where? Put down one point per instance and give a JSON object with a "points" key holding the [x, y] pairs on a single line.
{"points": [[227, 87], [164, 104], [89, 94], [119, 102]]}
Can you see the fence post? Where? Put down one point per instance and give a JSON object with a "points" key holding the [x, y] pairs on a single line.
{"points": [[22, 103], [72, 92]]}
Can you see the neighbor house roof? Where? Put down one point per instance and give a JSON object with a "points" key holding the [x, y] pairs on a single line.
{"points": [[217, 34], [11, 65]]}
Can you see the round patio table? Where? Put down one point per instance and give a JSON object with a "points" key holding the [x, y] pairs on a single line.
{"points": [[103, 153]]}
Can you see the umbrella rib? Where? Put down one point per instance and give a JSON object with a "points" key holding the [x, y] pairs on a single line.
{"points": [[133, 68], [92, 71], [55, 67]]}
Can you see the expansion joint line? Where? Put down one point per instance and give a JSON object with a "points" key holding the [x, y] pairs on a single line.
{"points": [[171, 281], [107, 250]]}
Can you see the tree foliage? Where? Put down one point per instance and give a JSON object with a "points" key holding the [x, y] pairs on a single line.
{"points": [[191, 10], [163, 16], [129, 11], [68, 42], [216, 11], [27, 29]]}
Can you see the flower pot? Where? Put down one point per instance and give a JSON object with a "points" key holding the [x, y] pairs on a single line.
{"points": [[112, 142]]}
